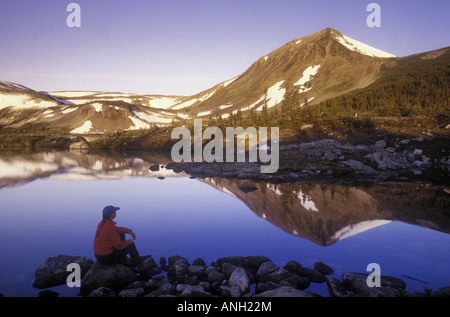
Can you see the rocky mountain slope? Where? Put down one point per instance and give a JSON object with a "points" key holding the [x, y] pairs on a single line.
{"points": [[320, 66]]}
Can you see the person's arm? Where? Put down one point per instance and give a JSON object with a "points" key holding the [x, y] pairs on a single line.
{"points": [[126, 230], [116, 242]]}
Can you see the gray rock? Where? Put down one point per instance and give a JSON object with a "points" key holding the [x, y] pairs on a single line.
{"points": [[323, 268], [115, 277], [357, 165], [404, 142], [349, 147], [134, 292], [265, 269], [357, 283], [380, 144], [53, 270], [177, 271], [227, 291], [192, 291], [362, 147], [164, 290], [155, 282], [286, 291], [196, 271], [336, 288], [212, 275], [276, 276], [248, 262], [293, 266], [314, 275], [102, 292], [240, 280], [177, 258], [199, 261], [328, 156]]}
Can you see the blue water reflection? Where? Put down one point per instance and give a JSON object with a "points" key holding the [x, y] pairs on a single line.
{"points": [[185, 216]]}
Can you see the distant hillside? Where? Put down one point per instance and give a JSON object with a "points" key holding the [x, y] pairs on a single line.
{"points": [[325, 80]]}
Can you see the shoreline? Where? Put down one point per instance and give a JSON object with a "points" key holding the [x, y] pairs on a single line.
{"points": [[251, 276]]}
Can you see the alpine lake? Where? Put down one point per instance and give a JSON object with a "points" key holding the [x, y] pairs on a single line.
{"points": [[51, 203]]}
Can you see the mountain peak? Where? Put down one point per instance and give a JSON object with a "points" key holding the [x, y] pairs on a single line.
{"points": [[346, 41]]}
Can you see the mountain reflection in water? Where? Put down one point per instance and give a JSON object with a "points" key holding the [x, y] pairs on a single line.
{"points": [[321, 213]]}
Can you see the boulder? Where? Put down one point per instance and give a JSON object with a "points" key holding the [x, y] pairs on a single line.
{"points": [[293, 266], [133, 292], [115, 277], [240, 280], [102, 292], [53, 270], [191, 291], [165, 289], [313, 275], [213, 276], [323, 268], [248, 262], [357, 283], [336, 288], [380, 144], [286, 291], [265, 269]]}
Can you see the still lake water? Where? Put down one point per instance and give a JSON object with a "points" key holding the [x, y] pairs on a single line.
{"points": [[51, 204]]}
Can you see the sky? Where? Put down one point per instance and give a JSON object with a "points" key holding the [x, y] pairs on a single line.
{"points": [[182, 47]]}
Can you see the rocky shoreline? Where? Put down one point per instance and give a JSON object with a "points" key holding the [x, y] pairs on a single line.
{"points": [[253, 276], [330, 160]]}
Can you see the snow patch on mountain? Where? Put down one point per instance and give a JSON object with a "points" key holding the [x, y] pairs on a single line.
{"points": [[98, 106], [226, 83], [163, 102], [22, 101], [307, 202], [48, 114], [307, 75], [362, 48], [69, 110], [138, 124], [205, 113], [352, 230], [85, 128], [152, 117], [275, 95]]}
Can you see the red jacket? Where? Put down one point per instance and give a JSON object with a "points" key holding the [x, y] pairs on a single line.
{"points": [[108, 239]]}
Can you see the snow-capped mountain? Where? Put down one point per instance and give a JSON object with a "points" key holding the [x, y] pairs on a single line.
{"points": [[317, 67]]}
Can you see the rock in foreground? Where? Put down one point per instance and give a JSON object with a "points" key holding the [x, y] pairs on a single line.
{"points": [[233, 276]]}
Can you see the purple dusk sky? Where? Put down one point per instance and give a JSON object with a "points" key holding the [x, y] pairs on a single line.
{"points": [[182, 47]]}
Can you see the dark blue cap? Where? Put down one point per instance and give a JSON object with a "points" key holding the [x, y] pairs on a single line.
{"points": [[109, 210]]}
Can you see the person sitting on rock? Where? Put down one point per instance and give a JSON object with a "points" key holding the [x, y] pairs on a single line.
{"points": [[110, 245]]}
